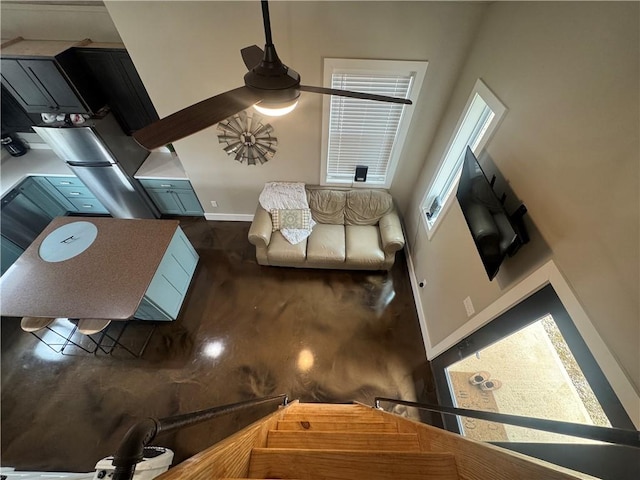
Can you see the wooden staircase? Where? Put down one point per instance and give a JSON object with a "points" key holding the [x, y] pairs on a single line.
{"points": [[309, 441]]}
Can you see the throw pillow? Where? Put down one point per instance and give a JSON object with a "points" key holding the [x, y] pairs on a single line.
{"points": [[291, 218]]}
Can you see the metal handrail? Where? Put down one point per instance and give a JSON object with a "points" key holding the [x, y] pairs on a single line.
{"points": [[616, 436], [131, 448]]}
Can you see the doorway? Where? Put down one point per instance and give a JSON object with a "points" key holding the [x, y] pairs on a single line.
{"points": [[531, 361]]}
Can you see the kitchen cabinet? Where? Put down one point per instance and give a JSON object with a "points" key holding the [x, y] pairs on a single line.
{"points": [[10, 252], [173, 197], [34, 203], [33, 189], [26, 212], [115, 73], [71, 192], [13, 116], [168, 288], [45, 76]]}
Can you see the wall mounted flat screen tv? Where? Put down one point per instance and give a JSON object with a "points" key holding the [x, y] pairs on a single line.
{"points": [[495, 233]]}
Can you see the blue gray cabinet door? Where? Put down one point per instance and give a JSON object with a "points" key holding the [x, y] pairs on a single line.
{"points": [[173, 197], [10, 253], [34, 191], [165, 201], [188, 202], [168, 288]]}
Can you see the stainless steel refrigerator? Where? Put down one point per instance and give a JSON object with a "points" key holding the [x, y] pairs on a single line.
{"points": [[105, 160]]}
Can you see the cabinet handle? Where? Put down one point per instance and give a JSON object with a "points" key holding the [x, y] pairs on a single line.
{"points": [[166, 185], [75, 194], [86, 205], [66, 183]]}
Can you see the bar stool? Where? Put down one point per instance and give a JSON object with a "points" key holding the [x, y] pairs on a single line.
{"points": [[93, 326], [33, 325]]}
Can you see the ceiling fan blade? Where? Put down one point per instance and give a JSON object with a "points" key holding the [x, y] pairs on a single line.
{"points": [[252, 56], [347, 93], [196, 117]]}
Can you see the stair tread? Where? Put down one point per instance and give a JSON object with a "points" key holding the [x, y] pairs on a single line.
{"points": [[337, 426], [349, 464], [330, 407], [324, 406], [333, 417], [343, 440]]}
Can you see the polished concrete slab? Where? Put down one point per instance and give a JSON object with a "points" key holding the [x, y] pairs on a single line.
{"points": [[244, 331]]}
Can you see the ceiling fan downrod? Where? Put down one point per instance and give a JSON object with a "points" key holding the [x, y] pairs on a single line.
{"points": [[271, 63], [267, 23]]}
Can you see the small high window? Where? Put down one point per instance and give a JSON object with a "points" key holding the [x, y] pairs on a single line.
{"points": [[479, 120], [366, 132]]}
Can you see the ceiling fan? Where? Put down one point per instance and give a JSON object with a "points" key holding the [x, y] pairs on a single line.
{"points": [[269, 85]]}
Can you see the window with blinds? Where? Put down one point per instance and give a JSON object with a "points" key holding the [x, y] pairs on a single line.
{"points": [[367, 132]]}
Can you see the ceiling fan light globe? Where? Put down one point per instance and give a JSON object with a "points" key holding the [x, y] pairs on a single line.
{"points": [[276, 109]]}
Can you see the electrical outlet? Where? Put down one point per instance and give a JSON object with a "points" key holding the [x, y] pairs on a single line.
{"points": [[214, 203], [468, 306]]}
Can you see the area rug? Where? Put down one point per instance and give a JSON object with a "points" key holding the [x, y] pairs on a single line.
{"points": [[472, 397]]}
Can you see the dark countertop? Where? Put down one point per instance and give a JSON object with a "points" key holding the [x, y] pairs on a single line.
{"points": [[108, 280]]}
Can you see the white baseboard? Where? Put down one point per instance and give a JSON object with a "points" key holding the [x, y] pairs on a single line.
{"points": [[415, 288], [230, 217]]}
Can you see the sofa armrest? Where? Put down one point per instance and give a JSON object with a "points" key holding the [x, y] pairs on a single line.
{"points": [[261, 227], [391, 233]]}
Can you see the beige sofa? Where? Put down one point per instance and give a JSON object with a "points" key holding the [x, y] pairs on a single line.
{"points": [[356, 229]]}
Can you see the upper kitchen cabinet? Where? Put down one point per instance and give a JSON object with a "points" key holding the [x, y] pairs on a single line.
{"points": [[126, 95], [46, 76], [13, 116]]}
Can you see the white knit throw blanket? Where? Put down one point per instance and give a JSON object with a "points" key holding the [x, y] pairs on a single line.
{"points": [[283, 196]]}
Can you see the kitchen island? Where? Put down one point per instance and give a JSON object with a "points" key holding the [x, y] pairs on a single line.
{"points": [[132, 269]]}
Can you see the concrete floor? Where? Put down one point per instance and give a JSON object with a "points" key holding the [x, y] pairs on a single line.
{"points": [[244, 331]]}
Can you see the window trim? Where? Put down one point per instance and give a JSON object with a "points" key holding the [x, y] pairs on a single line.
{"points": [[416, 68], [499, 110]]}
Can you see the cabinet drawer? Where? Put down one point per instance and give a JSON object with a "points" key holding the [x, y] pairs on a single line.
{"points": [[165, 183], [88, 205], [75, 192], [65, 181]]}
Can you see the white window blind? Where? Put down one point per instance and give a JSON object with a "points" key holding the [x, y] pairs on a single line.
{"points": [[364, 132]]}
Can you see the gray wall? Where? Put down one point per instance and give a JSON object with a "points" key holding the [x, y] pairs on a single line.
{"points": [[569, 147]]}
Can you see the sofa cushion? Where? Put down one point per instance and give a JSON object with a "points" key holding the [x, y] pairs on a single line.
{"points": [[281, 252], [327, 206], [326, 245], [364, 248], [365, 207]]}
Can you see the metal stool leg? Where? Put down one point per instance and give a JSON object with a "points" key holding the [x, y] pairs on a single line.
{"points": [[67, 340], [71, 342], [115, 341]]}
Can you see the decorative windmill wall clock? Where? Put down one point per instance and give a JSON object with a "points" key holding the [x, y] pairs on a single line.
{"points": [[247, 138]]}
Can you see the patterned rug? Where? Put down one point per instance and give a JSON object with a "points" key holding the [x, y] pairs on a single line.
{"points": [[472, 397]]}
